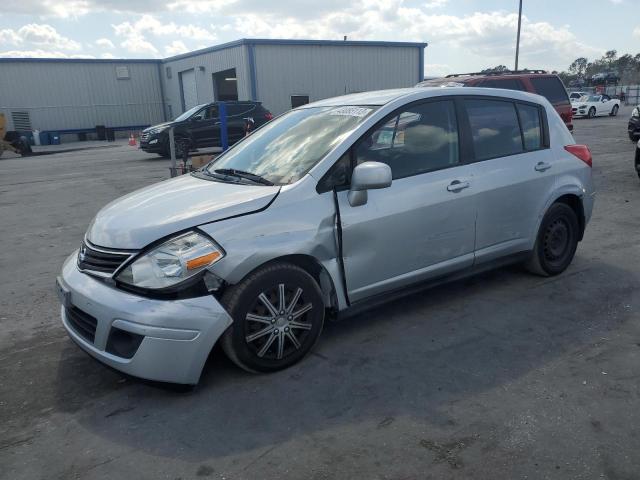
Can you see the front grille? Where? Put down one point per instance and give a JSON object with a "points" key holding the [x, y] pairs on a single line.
{"points": [[144, 137], [82, 323], [95, 259]]}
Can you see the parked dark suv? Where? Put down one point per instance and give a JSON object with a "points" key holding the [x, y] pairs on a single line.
{"points": [[199, 127], [534, 81]]}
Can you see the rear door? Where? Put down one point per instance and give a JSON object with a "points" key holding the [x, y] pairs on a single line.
{"points": [[512, 171], [423, 225], [237, 113], [205, 127]]}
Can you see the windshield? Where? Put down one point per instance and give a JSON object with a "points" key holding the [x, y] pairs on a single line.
{"points": [[188, 113], [593, 98], [285, 149]]}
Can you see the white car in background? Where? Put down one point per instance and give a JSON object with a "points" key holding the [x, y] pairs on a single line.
{"points": [[595, 105]]}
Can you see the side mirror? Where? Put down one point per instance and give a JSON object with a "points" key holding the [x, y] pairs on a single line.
{"points": [[367, 176]]}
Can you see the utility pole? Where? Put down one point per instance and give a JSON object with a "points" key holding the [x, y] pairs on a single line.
{"points": [[518, 39]]}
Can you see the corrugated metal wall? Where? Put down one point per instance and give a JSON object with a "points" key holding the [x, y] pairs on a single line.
{"points": [[63, 95], [234, 57], [323, 71]]}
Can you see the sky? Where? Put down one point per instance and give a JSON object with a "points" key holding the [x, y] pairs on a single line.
{"points": [[463, 35]]}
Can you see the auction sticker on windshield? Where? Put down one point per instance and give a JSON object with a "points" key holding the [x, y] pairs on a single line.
{"points": [[351, 111]]}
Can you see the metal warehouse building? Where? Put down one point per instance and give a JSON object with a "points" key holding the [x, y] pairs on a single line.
{"points": [[75, 95]]}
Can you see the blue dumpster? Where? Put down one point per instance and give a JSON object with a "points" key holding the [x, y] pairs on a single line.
{"points": [[55, 138], [44, 138]]}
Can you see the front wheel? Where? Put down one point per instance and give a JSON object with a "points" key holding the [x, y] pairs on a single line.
{"points": [[278, 314], [556, 242], [614, 111], [592, 112]]}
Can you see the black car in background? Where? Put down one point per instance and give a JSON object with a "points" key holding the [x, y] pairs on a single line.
{"points": [[199, 127], [634, 125]]}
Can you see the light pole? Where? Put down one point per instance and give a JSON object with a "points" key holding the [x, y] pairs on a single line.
{"points": [[518, 39]]}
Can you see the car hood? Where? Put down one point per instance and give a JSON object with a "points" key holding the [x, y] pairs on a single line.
{"points": [[158, 126], [146, 215]]}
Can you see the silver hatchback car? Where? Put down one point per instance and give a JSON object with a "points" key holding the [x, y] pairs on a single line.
{"points": [[324, 211]]}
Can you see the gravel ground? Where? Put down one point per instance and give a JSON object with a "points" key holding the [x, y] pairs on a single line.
{"points": [[502, 376]]}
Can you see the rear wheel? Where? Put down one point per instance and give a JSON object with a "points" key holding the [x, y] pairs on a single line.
{"points": [[592, 112], [614, 111], [278, 313], [556, 242]]}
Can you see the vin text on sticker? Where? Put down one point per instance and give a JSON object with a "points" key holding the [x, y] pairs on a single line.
{"points": [[351, 111]]}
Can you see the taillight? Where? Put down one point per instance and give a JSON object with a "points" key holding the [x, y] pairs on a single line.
{"points": [[268, 115], [580, 151]]}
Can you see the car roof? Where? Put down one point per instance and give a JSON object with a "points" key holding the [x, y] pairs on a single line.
{"points": [[382, 97]]}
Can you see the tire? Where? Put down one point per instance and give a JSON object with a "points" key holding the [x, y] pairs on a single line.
{"points": [[614, 111], [262, 338], [592, 112], [556, 242]]}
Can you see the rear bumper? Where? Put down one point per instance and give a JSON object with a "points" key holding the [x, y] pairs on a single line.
{"points": [[177, 335]]}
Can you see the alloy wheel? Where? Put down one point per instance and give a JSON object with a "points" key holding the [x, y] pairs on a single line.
{"points": [[278, 323]]}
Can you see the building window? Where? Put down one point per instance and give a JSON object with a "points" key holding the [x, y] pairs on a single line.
{"points": [[299, 100]]}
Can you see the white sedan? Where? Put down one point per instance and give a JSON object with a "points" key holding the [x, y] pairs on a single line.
{"points": [[595, 105]]}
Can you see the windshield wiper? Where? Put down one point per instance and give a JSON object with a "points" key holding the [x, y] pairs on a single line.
{"points": [[242, 174]]}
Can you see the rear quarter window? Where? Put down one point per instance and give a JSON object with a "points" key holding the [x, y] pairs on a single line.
{"points": [[551, 88]]}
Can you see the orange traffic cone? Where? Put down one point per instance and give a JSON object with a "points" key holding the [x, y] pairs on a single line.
{"points": [[132, 140]]}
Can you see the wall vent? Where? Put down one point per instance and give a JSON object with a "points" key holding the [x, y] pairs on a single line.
{"points": [[122, 72], [21, 121]]}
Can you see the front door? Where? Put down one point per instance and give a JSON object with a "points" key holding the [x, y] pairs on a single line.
{"points": [[423, 225]]}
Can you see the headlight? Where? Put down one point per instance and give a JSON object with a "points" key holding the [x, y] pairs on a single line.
{"points": [[636, 112], [172, 262], [158, 130]]}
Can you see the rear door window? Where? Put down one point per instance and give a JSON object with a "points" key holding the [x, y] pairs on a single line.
{"points": [[551, 88], [494, 128], [531, 126], [508, 83]]}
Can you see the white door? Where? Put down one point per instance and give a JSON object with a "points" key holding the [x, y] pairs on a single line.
{"points": [[189, 92]]}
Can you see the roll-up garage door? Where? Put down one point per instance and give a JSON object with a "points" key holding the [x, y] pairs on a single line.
{"points": [[189, 93]]}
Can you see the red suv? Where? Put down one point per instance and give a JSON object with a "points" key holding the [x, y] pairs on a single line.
{"points": [[534, 81]]}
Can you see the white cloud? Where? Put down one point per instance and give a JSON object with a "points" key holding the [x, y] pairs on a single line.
{"points": [[39, 53], [436, 3], [636, 32], [105, 43], [9, 37], [138, 45], [41, 36], [136, 40], [107, 55], [175, 48], [482, 39]]}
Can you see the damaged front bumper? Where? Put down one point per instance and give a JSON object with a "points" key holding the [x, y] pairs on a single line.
{"points": [[161, 340]]}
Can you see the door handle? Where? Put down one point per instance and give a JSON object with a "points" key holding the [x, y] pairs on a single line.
{"points": [[542, 166], [457, 185]]}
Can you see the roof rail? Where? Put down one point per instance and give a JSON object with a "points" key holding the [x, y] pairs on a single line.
{"points": [[506, 72]]}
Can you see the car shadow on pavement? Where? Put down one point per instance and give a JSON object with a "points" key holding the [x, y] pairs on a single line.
{"points": [[412, 358]]}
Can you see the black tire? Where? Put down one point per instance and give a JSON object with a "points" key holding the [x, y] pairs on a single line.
{"points": [[592, 112], [556, 242], [275, 333], [614, 111]]}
